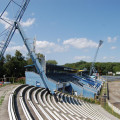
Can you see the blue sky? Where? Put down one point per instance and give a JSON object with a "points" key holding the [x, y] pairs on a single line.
{"points": [[69, 30]]}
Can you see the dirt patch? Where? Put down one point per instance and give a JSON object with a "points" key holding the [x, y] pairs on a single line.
{"points": [[114, 93]]}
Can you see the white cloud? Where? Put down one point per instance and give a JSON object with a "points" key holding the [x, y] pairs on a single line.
{"points": [[5, 16], [82, 57], [113, 47], [58, 40], [48, 47], [112, 57], [110, 39], [109, 58], [28, 22], [12, 49], [104, 58], [44, 47], [80, 43]]}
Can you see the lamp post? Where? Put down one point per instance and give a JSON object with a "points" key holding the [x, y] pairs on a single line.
{"points": [[92, 66], [4, 78]]}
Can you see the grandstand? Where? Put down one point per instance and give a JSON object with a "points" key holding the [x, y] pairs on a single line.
{"points": [[66, 80], [32, 103], [40, 98]]}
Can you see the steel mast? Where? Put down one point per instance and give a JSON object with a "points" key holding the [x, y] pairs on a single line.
{"points": [[4, 44], [92, 69], [16, 25]]}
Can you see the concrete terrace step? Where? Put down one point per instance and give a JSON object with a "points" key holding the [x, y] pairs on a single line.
{"points": [[33, 103]]}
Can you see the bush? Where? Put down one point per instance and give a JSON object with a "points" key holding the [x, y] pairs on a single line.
{"points": [[21, 80], [90, 100], [12, 79]]}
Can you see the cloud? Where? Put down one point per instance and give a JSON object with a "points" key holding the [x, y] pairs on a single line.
{"points": [[113, 47], [82, 57], [12, 49], [49, 47], [109, 58], [104, 58], [112, 57], [114, 39], [80, 43], [44, 47], [41, 46], [28, 22], [58, 40], [5, 16]]}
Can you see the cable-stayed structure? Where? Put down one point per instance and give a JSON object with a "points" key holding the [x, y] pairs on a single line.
{"points": [[15, 24], [8, 33], [92, 69]]}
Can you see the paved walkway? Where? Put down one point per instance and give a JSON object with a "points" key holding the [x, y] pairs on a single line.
{"points": [[114, 93], [5, 91], [104, 112]]}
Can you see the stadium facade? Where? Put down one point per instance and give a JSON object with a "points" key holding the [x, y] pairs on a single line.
{"points": [[66, 80]]}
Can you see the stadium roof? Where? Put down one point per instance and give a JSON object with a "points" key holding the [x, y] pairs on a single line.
{"points": [[53, 67], [61, 68]]}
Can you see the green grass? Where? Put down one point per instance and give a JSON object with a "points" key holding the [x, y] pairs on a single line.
{"points": [[107, 108], [103, 90], [2, 99], [3, 85], [105, 105], [10, 84]]}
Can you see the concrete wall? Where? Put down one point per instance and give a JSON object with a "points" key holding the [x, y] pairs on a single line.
{"points": [[115, 109], [34, 79], [82, 91]]}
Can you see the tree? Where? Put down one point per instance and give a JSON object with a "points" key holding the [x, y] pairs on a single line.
{"points": [[18, 55], [8, 57], [2, 72], [116, 68], [14, 65], [29, 60], [39, 55], [52, 62]]}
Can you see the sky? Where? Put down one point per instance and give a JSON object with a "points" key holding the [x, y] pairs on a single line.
{"points": [[68, 30]]}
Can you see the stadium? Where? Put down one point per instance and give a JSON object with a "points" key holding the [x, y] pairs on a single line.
{"points": [[66, 80], [51, 92]]}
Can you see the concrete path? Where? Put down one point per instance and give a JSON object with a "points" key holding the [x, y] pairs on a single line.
{"points": [[104, 112], [114, 93], [5, 91]]}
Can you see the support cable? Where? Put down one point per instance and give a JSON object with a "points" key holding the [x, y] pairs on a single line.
{"points": [[5, 8], [1, 34], [6, 21], [16, 3]]}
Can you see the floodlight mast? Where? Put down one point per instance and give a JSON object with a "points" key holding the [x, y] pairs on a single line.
{"points": [[34, 44], [16, 25], [38, 67], [93, 63], [12, 29]]}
